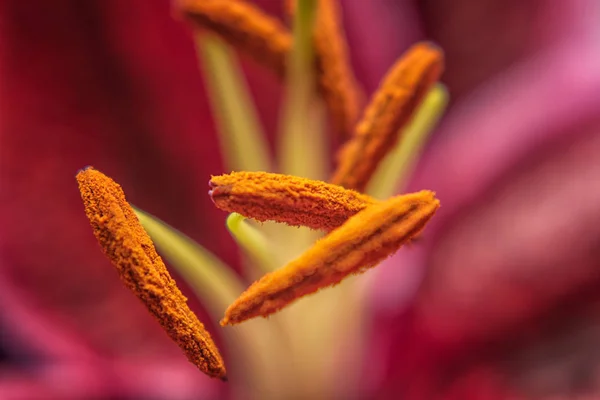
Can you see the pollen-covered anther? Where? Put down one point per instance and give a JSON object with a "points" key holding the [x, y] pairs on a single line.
{"points": [[337, 83], [391, 107], [245, 27], [265, 39], [127, 245], [361, 243], [287, 199]]}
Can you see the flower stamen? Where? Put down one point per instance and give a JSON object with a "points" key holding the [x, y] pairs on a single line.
{"points": [[245, 27], [337, 82], [127, 245], [269, 42], [391, 107], [338, 86], [288, 199], [361, 243]]}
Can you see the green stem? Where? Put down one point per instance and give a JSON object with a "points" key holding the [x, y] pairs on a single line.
{"points": [[253, 241], [214, 282], [302, 148], [243, 143]]}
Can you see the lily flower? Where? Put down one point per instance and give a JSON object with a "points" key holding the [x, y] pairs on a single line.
{"points": [[362, 231], [85, 83]]}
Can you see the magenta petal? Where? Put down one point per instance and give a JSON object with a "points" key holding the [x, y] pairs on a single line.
{"points": [[515, 238], [379, 31], [482, 38], [506, 120], [497, 126]]}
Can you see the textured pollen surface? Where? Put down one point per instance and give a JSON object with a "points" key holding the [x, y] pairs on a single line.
{"points": [[337, 82], [130, 249], [264, 38], [282, 198], [361, 243], [391, 107], [243, 26]]}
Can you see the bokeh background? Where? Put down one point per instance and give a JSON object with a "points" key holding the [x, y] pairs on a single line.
{"points": [[505, 298]]}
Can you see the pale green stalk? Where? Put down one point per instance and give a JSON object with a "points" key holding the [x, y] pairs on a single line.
{"points": [[303, 152], [302, 147], [214, 282], [253, 347], [350, 323], [253, 241], [397, 166], [243, 143]]}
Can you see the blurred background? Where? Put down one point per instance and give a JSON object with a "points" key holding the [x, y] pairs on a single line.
{"points": [[506, 300]]}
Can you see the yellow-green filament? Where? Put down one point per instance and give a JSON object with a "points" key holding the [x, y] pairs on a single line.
{"points": [[243, 142], [254, 345], [214, 283], [302, 148], [395, 169], [253, 241]]}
